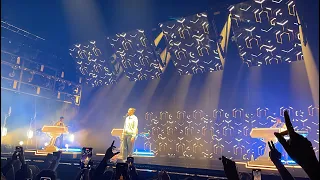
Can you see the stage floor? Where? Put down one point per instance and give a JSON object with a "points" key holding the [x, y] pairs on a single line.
{"points": [[204, 167]]}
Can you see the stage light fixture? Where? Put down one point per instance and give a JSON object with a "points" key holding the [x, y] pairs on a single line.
{"points": [[67, 147], [4, 131], [266, 32], [71, 137], [136, 55], [20, 143], [192, 46], [30, 134], [46, 144], [93, 64]]}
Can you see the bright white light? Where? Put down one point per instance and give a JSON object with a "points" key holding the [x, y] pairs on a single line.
{"points": [[30, 134], [46, 144], [71, 137], [21, 143], [4, 131], [67, 147]]}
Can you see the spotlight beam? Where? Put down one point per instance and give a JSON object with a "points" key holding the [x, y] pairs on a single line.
{"points": [[311, 67]]}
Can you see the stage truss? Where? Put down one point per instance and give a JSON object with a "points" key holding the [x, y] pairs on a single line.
{"points": [[19, 74]]}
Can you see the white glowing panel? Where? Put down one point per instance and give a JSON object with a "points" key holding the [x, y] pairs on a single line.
{"points": [[191, 44], [209, 135], [266, 32], [93, 64], [136, 55]]}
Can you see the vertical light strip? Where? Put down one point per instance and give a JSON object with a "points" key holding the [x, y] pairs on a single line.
{"points": [[312, 72]]}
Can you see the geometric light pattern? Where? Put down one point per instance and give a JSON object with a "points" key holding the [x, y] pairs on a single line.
{"points": [[192, 46], [93, 64], [266, 32], [207, 135], [136, 55]]}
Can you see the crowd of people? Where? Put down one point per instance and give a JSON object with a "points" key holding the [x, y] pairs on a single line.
{"points": [[298, 148]]}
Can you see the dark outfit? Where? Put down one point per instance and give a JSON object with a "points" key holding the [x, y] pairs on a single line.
{"points": [[60, 139]]}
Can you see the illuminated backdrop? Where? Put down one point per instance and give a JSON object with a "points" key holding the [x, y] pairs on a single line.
{"points": [[191, 44], [93, 64], [266, 32], [136, 55], [207, 135]]}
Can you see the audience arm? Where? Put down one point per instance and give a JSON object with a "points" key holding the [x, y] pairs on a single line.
{"points": [[101, 168], [284, 173], [6, 168], [55, 163]]}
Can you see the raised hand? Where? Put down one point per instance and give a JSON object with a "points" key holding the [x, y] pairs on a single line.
{"points": [[274, 154], [296, 144], [230, 169], [275, 157], [59, 153], [103, 164], [55, 163], [109, 153], [14, 156], [298, 147], [21, 156]]}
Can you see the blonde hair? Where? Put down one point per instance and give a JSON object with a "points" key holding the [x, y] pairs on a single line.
{"points": [[133, 109]]}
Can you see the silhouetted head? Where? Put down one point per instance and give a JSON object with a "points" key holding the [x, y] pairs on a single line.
{"points": [[21, 175], [163, 175]]}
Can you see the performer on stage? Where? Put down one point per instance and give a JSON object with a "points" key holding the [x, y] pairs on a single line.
{"points": [[130, 132], [60, 123], [279, 124]]}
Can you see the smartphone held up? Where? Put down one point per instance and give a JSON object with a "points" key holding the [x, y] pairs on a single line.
{"points": [[86, 156]]}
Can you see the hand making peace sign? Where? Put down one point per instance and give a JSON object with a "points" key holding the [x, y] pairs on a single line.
{"points": [[298, 147]]}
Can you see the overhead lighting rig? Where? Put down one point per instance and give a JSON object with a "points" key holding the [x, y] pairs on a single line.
{"points": [[22, 75]]}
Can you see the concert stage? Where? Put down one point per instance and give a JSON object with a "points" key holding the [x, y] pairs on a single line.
{"points": [[201, 86], [150, 161], [175, 166]]}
